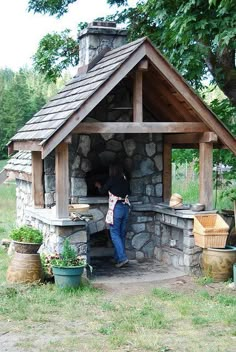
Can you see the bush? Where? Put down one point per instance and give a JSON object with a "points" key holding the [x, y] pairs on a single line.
{"points": [[26, 234]]}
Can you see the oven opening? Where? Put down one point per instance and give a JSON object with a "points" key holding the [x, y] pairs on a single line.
{"points": [[99, 174]]}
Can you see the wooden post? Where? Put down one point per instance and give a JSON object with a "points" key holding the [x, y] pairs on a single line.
{"points": [[206, 177], [167, 169], [37, 180], [62, 181], [138, 97]]}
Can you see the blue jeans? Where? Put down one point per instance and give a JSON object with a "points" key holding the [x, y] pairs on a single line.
{"points": [[118, 230]]}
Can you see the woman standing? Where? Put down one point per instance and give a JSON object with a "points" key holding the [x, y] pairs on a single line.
{"points": [[118, 189]]}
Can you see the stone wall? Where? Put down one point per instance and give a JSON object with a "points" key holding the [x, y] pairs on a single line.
{"points": [[177, 245], [23, 200]]}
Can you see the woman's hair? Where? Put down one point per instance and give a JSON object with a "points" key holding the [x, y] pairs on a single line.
{"points": [[116, 170]]}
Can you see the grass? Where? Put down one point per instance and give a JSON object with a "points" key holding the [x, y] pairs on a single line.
{"points": [[42, 317], [2, 164], [190, 193], [7, 208], [91, 319]]}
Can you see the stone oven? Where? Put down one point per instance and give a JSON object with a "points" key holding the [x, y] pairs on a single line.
{"points": [[126, 103]]}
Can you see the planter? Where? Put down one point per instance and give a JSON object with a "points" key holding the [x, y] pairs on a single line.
{"points": [[67, 277], [217, 263], [26, 248], [25, 268]]}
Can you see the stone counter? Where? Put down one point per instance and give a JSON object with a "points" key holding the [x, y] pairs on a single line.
{"points": [[154, 231], [172, 240]]}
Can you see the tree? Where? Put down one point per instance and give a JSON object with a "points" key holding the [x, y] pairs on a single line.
{"points": [[55, 53], [196, 36], [22, 94]]}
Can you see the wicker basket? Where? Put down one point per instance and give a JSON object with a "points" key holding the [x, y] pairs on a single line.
{"points": [[216, 240], [210, 231], [210, 223]]}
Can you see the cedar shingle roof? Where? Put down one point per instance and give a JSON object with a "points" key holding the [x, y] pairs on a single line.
{"points": [[20, 162], [165, 92], [58, 110]]}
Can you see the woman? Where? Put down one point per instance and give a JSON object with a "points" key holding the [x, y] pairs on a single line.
{"points": [[117, 187]]}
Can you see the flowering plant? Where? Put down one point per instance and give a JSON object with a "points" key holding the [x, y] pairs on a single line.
{"points": [[68, 258]]}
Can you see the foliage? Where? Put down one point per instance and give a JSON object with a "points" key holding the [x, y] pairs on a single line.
{"points": [[52, 7], [26, 234], [55, 53], [18, 102], [197, 36], [22, 94], [68, 257]]}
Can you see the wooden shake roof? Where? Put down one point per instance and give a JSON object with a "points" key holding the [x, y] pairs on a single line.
{"points": [[75, 93], [164, 92]]}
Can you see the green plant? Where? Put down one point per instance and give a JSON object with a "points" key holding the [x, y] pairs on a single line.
{"points": [[26, 234], [68, 257]]}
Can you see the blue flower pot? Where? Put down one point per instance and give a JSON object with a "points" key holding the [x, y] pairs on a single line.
{"points": [[68, 277]]}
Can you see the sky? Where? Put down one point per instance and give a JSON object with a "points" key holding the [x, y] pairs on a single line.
{"points": [[21, 31]]}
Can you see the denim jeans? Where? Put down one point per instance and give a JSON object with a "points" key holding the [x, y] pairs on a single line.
{"points": [[118, 231]]}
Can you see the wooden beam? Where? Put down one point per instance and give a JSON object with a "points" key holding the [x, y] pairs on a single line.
{"points": [[192, 138], [138, 127], [68, 139], [138, 97], [37, 180], [143, 65], [206, 177], [208, 137], [190, 97], [62, 181], [167, 172], [10, 149], [27, 145]]}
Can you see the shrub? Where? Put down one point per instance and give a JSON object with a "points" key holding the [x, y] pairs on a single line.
{"points": [[26, 234]]}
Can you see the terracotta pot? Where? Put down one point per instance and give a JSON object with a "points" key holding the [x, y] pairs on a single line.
{"points": [[217, 263], [25, 247], [25, 268]]}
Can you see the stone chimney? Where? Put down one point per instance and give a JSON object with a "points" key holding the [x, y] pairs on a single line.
{"points": [[97, 37]]}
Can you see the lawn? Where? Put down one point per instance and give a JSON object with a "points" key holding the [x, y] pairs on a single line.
{"points": [[163, 316]]}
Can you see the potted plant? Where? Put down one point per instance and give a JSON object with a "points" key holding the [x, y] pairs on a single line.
{"points": [[25, 266], [66, 267], [26, 239]]}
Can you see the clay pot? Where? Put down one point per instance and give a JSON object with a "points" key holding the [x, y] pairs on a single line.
{"points": [[25, 268], [217, 263], [25, 247]]}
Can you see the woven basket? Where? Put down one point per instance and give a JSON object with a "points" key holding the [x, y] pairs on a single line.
{"points": [[216, 240], [210, 224]]}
